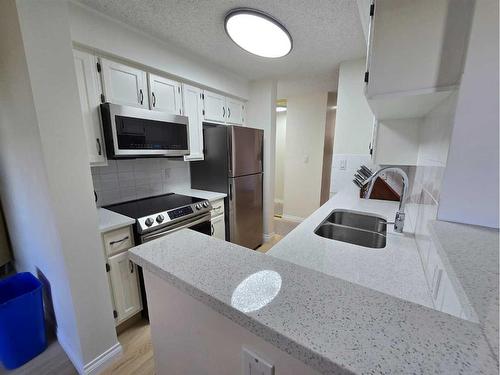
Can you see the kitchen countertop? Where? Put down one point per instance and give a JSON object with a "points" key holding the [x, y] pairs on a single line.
{"points": [[328, 323], [395, 269], [470, 256], [204, 194], [109, 220]]}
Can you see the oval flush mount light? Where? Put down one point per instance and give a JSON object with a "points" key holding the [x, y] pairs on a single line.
{"points": [[258, 33]]}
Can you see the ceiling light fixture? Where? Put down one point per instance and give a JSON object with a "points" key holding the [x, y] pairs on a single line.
{"points": [[258, 33]]}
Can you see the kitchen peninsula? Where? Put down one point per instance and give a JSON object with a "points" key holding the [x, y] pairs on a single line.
{"points": [[214, 297]]}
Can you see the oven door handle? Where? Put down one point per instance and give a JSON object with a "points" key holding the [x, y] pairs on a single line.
{"points": [[148, 237]]}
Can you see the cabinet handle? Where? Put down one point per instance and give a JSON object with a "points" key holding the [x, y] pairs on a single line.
{"points": [[154, 99], [142, 96], [131, 265], [119, 241], [99, 149], [213, 230], [223, 111], [228, 112]]}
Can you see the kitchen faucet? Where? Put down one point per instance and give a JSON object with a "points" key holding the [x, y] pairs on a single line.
{"points": [[399, 221]]}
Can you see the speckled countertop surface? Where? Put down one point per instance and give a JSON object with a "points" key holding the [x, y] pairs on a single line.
{"points": [[395, 269], [332, 325], [109, 220], [470, 257], [204, 194]]}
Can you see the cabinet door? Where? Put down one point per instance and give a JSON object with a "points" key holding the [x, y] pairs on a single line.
{"points": [[125, 286], [165, 95], [235, 110], [124, 85], [193, 109], [89, 90], [214, 106], [218, 227]]}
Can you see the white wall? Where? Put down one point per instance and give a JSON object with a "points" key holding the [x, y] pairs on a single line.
{"points": [[97, 31], [47, 187], [24, 186], [470, 187], [353, 125], [261, 114], [305, 134], [280, 156]]}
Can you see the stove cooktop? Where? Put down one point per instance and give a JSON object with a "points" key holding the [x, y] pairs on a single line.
{"points": [[139, 208]]}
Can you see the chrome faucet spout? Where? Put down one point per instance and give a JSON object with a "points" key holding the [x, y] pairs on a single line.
{"points": [[400, 215]]}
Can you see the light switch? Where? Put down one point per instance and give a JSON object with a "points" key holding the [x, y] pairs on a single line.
{"points": [[343, 164], [252, 364]]}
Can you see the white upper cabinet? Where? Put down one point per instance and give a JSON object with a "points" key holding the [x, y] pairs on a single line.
{"points": [[214, 106], [193, 109], [89, 90], [219, 108], [124, 85], [164, 95], [416, 53], [235, 111]]}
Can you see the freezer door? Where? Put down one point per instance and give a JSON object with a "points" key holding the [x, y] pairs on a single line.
{"points": [[245, 210], [245, 150]]}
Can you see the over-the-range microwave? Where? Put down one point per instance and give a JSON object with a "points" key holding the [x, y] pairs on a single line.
{"points": [[131, 132]]}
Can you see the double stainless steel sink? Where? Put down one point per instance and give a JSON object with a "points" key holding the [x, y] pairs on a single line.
{"points": [[354, 227]]}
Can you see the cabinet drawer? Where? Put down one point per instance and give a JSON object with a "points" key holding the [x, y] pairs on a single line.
{"points": [[217, 207], [117, 240]]}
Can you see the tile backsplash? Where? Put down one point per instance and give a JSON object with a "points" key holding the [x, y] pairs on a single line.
{"points": [[427, 176], [123, 180]]}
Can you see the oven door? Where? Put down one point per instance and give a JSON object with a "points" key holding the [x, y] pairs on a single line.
{"points": [[200, 224], [132, 132]]}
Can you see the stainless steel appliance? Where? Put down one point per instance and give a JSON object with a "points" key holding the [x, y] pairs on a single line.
{"points": [[135, 132], [233, 164], [161, 215]]}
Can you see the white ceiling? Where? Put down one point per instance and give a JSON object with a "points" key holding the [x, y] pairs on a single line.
{"points": [[324, 32]]}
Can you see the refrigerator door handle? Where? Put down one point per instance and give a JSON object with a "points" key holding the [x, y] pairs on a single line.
{"points": [[230, 191]]}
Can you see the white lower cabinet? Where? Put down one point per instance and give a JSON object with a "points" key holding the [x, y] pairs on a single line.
{"points": [[217, 219], [218, 227], [123, 282]]}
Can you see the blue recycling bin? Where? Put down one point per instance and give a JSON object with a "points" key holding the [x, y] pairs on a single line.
{"points": [[22, 323]]}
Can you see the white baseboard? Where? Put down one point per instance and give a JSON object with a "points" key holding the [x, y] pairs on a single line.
{"points": [[267, 237], [100, 362], [296, 219], [97, 364]]}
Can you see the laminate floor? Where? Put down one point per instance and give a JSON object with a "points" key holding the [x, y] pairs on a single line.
{"points": [[137, 357]]}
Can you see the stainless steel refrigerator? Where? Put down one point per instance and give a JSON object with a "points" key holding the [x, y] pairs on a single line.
{"points": [[234, 165]]}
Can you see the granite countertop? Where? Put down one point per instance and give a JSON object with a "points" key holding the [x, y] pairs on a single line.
{"points": [[330, 324], [109, 220], [204, 194], [395, 269], [470, 257]]}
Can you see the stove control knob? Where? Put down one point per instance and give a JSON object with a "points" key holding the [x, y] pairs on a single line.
{"points": [[198, 206], [160, 218], [205, 204], [149, 221]]}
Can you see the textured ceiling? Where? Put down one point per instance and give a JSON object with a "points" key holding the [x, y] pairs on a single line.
{"points": [[324, 32]]}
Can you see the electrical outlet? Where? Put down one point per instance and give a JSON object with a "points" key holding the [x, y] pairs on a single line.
{"points": [[343, 164], [254, 365]]}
